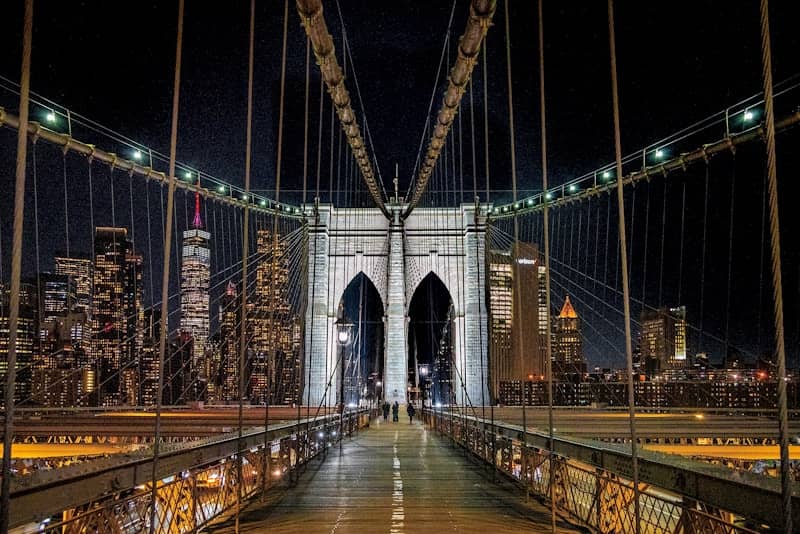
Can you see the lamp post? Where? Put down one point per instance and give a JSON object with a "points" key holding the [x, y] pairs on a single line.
{"points": [[423, 372], [343, 331], [378, 402]]}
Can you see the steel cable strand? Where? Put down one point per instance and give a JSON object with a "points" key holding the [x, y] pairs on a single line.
{"points": [[624, 264], [777, 284]]}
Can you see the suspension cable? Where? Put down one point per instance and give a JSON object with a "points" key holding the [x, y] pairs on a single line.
{"points": [[515, 248], [624, 264], [166, 264], [777, 284], [16, 262], [245, 253], [314, 23], [480, 18], [545, 230]]}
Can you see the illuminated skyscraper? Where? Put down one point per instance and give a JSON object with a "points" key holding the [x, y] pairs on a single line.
{"points": [[663, 338], [78, 321], [567, 344], [500, 295], [117, 316], [273, 326], [195, 280], [518, 326], [229, 329], [81, 271], [26, 340]]}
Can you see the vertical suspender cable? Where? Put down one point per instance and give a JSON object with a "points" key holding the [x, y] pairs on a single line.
{"points": [[245, 254], [297, 374], [166, 267], [16, 261], [515, 248], [703, 258], [661, 255], [761, 263], [486, 119], [624, 265], [319, 138], [545, 229], [162, 342], [680, 254], [274, 251], [305, 122], [644, 254], [66, 203], [36, 240], [310, 328], [730, 260], [472, 140], [777, 287]]}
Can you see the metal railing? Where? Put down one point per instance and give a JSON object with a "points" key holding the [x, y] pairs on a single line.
{"points": [[592, 487], [199, 482]]}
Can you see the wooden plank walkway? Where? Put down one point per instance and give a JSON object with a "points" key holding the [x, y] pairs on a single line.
{"points": [[395, 478]]}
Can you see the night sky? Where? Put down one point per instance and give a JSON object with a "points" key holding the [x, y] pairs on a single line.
{"points": [[113, 62]]}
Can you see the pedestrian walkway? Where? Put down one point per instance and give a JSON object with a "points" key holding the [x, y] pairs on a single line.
{"points": [[395, 478]]}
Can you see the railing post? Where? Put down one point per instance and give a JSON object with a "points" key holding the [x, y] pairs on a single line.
{"points": [[727, 123]]}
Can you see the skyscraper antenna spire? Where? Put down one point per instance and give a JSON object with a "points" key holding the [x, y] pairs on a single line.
{"points": [[197, 222]]}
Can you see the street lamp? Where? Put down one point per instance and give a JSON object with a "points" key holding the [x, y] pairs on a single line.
{"points": [[423, 372], [343, 334], [343, 328]]}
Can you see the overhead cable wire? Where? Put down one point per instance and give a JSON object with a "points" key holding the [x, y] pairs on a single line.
{"points": [[624, 264], [166, 265], [469, 46], [777, 284], [313, 21]]}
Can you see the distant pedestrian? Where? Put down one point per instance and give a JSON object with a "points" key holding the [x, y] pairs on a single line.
{"points": [[386, 408], [395, 412], [411, 411]]}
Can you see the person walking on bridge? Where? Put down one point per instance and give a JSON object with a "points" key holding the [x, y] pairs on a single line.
{"points": [[395, 412], [411, 411], [386, 408]]}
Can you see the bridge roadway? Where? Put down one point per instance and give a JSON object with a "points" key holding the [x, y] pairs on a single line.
{"points": [[126, 426], [396, 478], [178, 423], [669, 425]]}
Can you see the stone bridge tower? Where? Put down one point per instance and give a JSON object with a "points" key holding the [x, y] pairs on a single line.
{"points": [[396, 255]]}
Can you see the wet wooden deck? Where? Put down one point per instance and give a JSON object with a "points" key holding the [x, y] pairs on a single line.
{"points": [[395, 478]]}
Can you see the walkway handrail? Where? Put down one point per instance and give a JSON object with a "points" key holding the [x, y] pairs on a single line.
{"points": [[755, 498], [41, 495]]}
